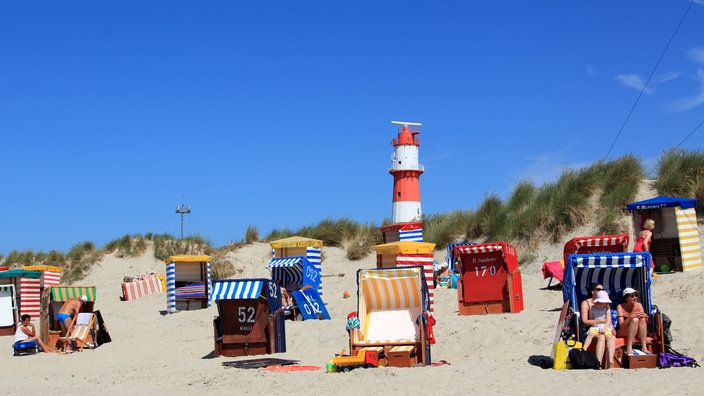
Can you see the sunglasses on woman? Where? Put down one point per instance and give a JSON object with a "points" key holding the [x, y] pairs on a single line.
{"points": [[598, 289]]}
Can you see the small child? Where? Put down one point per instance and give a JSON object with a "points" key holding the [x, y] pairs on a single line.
{"points": [[601, 312]]}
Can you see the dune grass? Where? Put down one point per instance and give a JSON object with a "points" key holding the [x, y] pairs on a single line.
{"points": [[79, 260], [251, 234], [681, 174], [529, 216]]}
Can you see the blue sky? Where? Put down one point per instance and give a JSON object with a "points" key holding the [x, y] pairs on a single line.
{"points": [[277, 114]]}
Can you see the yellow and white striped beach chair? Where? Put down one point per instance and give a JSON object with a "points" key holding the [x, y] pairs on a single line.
{"points": [[392, 308]]}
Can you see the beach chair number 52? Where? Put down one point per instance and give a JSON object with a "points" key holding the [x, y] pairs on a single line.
{"points": [[273, 290], [245, 314], [483, 268]]}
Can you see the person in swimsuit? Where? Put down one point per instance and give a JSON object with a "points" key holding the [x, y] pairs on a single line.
{"points": [[601, 315], [643, 241], [632, 319], [71, 307], [26, 332], [603, 343]]}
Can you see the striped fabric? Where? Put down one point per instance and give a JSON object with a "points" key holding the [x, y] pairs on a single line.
{"points": [[171, 287], [194, 290], [482, 248], [602, 240], [450, 258], [426, 261], [391, 301], [690, 249], [387, 342], [80, 333], [391, 289], [616, 271], [52, 278], [285, 262], [287, 269], [141, 287], [63, 293], [403, 348], [411, 235], [314, 256], [208, 279], [236, 290], [29, 297]]}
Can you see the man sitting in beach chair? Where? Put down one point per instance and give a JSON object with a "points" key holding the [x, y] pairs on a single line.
{"points": [[392, 308]]}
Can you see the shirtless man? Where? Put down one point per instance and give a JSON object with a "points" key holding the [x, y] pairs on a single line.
{"points": [[71, 307]]}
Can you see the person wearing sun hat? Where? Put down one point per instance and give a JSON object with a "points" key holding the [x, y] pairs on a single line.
{"points": [[585, 311], [632, 319], [602, 328]]}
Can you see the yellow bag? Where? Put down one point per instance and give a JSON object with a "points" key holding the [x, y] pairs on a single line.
{"points": [[562, 350]]}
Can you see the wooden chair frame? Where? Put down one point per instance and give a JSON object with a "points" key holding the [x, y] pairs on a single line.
{"points": [[78, 335]]}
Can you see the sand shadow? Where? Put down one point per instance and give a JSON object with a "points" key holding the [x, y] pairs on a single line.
{"points": [[557, 287], [211, 355]]}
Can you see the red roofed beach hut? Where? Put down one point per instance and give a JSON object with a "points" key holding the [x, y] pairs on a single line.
{"points": [[596, 244], [490, 281]]}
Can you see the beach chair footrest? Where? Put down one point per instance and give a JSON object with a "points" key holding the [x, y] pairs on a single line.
{"points": [[401, 356]]}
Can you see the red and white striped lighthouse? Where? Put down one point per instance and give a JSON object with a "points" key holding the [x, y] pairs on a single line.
{"points": [[406, 172], [406, 213]]}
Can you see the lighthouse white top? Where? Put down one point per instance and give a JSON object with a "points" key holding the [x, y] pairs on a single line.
{"points": [[406, 123]]}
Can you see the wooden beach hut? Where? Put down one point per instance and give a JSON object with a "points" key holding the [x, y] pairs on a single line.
{"points": [[9, 316], [28, 286], [411, 231], [250, 320], [596, 244], [187, 282], [53, 297], [675, 243], [31, 290], [300, 246], [490, 281]]}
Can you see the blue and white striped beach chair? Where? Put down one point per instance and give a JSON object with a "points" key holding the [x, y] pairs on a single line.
{"points": [[615, 271]]}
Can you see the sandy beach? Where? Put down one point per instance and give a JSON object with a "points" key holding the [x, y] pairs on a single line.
{"points": [[158, 354]]}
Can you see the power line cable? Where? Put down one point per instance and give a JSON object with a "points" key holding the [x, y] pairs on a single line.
{"points": [[683, 140], [690, 134], [648, 80]]}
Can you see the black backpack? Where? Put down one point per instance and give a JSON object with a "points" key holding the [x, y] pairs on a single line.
{"points": [[581, 359]]}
